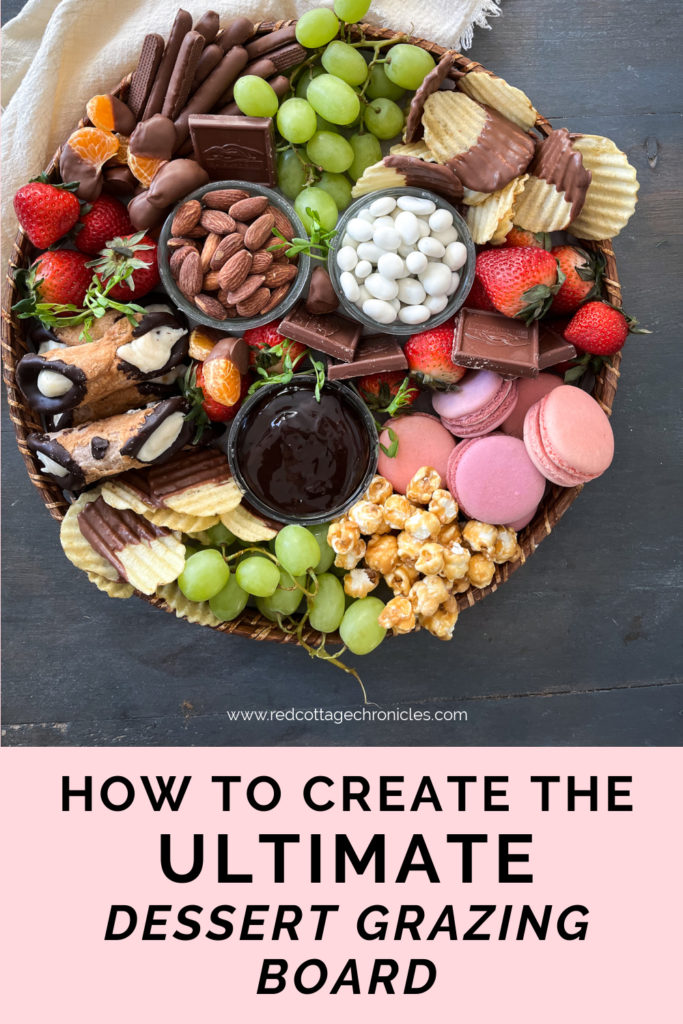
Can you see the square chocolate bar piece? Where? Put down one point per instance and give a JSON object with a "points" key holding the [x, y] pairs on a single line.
{"points": [[331, 333], [552, 347], [235, 147], [379, 353], [491, 341]]}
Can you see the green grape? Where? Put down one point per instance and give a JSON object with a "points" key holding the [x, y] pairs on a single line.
{"points": [[305, 79], [366, 151], [383, 118], [255, 97], [345, 62], [286, 598], [205, 573], [323, 204], [291, 173], [359, 628], [326, 552], [296, 120], [296, 549], [338, 186], [229, 602], [316, 27], [330, 151], [326, 609], [333, 99], [258, 576], [220, 534], [351, 10], [407, 65], [380, 85]]}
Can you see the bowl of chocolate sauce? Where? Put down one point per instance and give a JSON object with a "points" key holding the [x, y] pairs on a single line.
{"points": [[302, 459]]}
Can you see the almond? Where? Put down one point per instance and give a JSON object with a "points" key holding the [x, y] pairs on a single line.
{"points": [[227, 247], [248, 209], [177, 259], [238, 295], [190, 278], [282, 223], [234, 272], [279, 274], [210, 306], [261, 262], [276, 297], [218, 221], [241, 227], [211, 282], [208, 249], [198, 231], [187, 217], [178, 243], [224, 198], [255, 303], [259, 232]]}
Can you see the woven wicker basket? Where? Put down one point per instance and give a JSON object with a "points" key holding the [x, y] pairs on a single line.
{"points": [[557, 499]]}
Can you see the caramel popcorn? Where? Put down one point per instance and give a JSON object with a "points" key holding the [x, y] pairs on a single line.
{"points": [[480, 571], [442, 622], [427, 594], [367, 516], [382, 553], [450, 534], [444, 506], [456, 561], [423, 484], [409, 548], [430, 561], [396, 510], [379, 490], [342, 536], [423, 525], [461, 586], [359, 582], [350, 559], [507, 548], [398, 615], [480, 536], [401, 579]]}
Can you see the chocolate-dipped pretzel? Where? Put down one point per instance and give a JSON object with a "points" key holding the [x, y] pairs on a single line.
{"points": [[77, 456], [63, 379]]}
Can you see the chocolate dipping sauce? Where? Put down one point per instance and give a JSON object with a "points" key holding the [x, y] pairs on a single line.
{"points": [[302, 459]]}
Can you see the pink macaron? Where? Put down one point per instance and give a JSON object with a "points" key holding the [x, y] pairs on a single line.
{"points": [[493, 480], [482, 402], [529, 391], [568, 437], [422, 441]]}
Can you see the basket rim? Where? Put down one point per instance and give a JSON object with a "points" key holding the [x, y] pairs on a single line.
{"points": [[251, 623]]}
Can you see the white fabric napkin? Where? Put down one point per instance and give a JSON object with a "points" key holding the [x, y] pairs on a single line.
{"points": [[58, 53]]}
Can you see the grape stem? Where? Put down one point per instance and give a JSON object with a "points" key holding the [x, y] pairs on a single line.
{"points": [[304, 64]]}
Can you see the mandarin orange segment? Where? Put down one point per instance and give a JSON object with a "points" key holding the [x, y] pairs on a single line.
{"points": [[93, 145], [144, 167], [200, 345], [121, 154], [100, 111], [222, 381]]}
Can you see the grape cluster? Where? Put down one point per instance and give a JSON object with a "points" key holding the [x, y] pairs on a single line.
{"points": [[343, 100]]}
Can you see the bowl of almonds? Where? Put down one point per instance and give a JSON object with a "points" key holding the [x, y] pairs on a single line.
{"points": [[223, 255]]}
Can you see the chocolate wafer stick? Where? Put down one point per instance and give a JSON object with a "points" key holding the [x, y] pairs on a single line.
{"points": [[287, 56], [181, 26], [270, 41], [263, 68], [279, 85], [235, 33], [211, 57], [208, 25], [266, 67], [220, 79], [145, 73], [183, 74]]}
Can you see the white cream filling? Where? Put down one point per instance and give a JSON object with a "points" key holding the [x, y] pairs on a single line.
{"points": [[47, 346], [150, 351], [53, 385], [162, 438], [158, 307], [50, 466], [172, 376]]}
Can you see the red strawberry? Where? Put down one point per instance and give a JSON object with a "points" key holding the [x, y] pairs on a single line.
{"points": [[598, 328], [388, 392], [106, 219], [268, 348], [477, 298], [133, 261], [61, 277], [582, 274], [429, 357], [520, 282], [527, 239], [46, 212], [216, 411]]}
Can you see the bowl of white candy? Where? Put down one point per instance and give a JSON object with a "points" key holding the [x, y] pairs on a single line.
{"points": [[402, 259]]}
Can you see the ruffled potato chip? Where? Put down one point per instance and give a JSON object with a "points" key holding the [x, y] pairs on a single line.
{"points": [[452, 122], [497, 93], [612, 193], [492, 219], [541, 207], [76, 548], [111, 587], [247, 526], [193, 611]]}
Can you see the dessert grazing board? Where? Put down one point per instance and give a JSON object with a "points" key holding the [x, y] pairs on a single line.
{"points": [[312, 330]]}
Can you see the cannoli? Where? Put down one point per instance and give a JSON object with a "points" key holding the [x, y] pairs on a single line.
{"points": [[83, 374], [134, 396], [78, 456]]}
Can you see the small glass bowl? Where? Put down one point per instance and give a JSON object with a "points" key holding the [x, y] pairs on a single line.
{"points": [[466, 272], [366, 420], [236, 324]]}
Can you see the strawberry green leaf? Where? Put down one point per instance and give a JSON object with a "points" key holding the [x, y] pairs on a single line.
{"points": [[391, 451]]}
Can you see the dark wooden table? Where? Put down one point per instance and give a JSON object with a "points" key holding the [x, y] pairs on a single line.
{"points": [[582, 646]]}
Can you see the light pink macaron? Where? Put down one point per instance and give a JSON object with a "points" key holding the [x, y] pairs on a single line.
{"points": [[529, 391], [422, 441], [569, 437], [481, 403], [493, 480]]}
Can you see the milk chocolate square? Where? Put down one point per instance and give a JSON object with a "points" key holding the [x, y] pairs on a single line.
{"points": [[552, 347], [230, 147], [331, 333], [491, 341], [379, 353]]}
